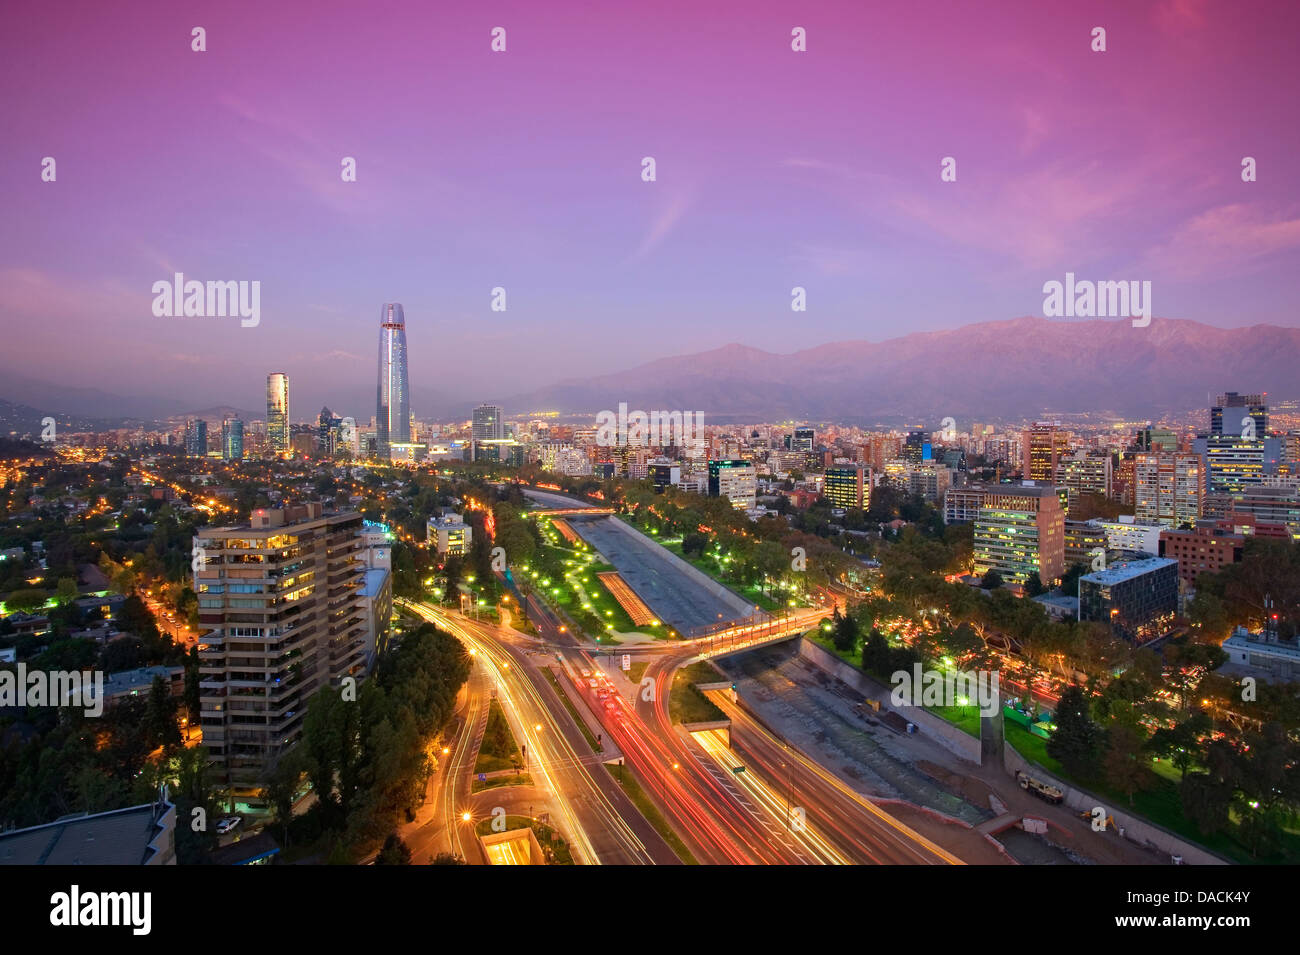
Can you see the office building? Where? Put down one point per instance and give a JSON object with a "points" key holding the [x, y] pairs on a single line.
{"points": [[1137, 598], [804, 440], [196, 437], [1242, 415], [449, 534], [232, 439], [1152, 438], [1169, 488], [664, 474], [1126, 533], [393, 399], [961, 504], [1263, 651], [489, 423], [917, 448], [277, 413], [1205, 550], [280, 601], [1043, 446], [1082, 541], [735, 480], [848, 487], [1019, 532]]}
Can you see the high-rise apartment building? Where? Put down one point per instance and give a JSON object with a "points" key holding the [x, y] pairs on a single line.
{"points": [[277, 412], [280, 599], [393, 401], [1169, 488], [1020, 531], [489, 423], [1086, 472]]}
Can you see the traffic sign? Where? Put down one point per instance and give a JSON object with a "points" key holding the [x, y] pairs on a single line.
{"points": [[738, 770], [482, 777], [627, 661]]}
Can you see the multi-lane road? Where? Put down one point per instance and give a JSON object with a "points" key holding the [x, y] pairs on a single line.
{"points": [[743, 798]]}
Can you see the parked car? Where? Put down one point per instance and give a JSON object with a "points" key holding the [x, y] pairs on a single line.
{"points": [[228, 824]]}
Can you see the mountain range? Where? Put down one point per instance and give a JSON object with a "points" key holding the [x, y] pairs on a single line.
{"points": [[1006, 369], [1013, 370]]}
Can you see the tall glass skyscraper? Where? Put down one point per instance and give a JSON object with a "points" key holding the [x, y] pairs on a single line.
{"points": [[277, 412], [393, 412]]}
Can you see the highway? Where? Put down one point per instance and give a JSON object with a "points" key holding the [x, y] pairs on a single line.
{"points": [[587, 806]]}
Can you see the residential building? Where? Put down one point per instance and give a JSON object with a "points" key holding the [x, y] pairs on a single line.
{"points": [[279, 599], [1086, 472], [1169, 488], [961, 504]]}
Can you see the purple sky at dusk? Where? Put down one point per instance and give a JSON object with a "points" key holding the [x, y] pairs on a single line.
{"points": [[522, 170]]}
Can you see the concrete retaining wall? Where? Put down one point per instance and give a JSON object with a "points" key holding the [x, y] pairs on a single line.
{"points": [[932, 727], [742, 606], [1137, 830]]}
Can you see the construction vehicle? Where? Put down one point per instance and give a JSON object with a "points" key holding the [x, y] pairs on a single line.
{"points": [[1040, 789]]}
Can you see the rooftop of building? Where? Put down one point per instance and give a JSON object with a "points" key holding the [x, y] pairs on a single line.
{"points": [[117, 837], [1128, 570], [1260, 643]]}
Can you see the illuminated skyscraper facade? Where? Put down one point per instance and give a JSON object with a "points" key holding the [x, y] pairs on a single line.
{"points": [[393, 411], [277, 412]]}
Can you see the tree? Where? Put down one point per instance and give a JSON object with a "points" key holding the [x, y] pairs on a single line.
{"points": [[160, 717], [394, 852], [1077, 740], [875, 653], [67, 591], [844, 632], [1123, 765], [280, 787], [27, 600], [992, 580], [192, 679], [1181, 744], [1034, 586]]}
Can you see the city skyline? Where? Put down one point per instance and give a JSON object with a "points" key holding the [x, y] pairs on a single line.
{"points": [[825, 434]]}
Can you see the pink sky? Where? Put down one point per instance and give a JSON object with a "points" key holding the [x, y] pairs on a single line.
{"points": [[522, 170]]}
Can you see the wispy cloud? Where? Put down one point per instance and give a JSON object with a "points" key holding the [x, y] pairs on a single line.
{"points": [[663, 223], [1226, 241]]}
